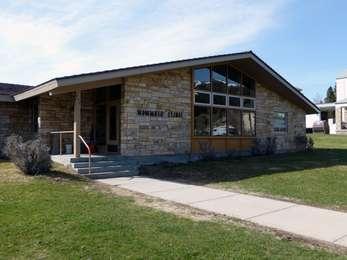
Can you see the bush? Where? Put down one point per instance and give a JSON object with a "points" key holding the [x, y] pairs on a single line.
{"points": [[304, 143], [31, 157], [309, 144]]}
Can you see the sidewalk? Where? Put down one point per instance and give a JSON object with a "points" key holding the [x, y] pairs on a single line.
{"points": [[311, 222]]}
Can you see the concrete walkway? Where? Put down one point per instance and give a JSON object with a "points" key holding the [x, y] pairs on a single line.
{"points": [[310, 222]]}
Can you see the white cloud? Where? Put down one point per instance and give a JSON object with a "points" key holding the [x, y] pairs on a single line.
{"points": [[43, 39]]}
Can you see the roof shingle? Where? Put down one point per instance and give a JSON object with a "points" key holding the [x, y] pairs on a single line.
{"points": [[13, 89]]}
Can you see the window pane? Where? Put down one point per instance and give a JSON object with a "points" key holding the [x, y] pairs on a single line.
{"points": [[219, 100], [202, 79], [234, 122], [248, 86], [218, 121], [248, 123], [280, 122], [201, 121], [202, 98], [234, 101], [219, 79], [234, 81], [249, 103]]}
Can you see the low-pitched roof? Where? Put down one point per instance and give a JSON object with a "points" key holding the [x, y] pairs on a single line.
{"points": [[246, 61], [8, 90], [13, 89]]}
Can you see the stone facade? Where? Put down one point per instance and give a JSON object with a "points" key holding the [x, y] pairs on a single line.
{"points": [[155, 116], [56, 113], [16, 118], [165, 92], [269, 102]]}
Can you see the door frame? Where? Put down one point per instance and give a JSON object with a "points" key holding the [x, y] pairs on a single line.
{"points": [[109, 104]]}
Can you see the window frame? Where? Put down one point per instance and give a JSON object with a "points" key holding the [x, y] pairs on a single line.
{"points": [[227, 105], [277, 129], [203, 92]]}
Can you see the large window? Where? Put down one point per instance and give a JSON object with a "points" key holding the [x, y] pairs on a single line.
{"points": [[224, 101], [219, 79], [248, 123], [234, 81], [219, 121], [234, 122], [280, 122], [202, 115], [202, 79]]}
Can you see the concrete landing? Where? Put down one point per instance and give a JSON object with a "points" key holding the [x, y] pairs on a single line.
{"points": [[310, 222]]}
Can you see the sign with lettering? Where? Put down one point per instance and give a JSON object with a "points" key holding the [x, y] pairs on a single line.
{"points": [[159, 113]]}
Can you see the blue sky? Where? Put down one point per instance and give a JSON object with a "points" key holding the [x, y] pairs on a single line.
{"points": [[305, 41]]}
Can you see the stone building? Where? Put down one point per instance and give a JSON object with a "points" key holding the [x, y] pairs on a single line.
{"points": [[219, 104]]}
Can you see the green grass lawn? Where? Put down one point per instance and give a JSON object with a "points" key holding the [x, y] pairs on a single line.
{"points": [[317, 178], [68, 218]]}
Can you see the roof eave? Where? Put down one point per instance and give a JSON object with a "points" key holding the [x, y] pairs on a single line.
{"points": [[126, 72], [40, 89]]}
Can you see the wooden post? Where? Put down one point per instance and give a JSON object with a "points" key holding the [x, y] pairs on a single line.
{"points": [[77, 124]]}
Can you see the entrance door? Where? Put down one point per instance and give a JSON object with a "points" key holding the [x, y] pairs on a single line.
{"points": [[113, 113]]}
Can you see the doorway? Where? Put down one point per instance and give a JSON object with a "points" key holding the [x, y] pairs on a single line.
{"points": [[107, 119], [112, 127]]}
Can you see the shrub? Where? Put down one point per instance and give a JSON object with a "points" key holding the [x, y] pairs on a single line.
{"points": [[309, 144], [304, 143], [31, 157]]}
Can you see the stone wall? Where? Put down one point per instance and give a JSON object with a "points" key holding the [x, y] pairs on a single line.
{"points": [[57, 114], [16, 118], [269, 102], [165, 92]]}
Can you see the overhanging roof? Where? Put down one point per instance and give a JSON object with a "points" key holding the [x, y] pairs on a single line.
{"points": [[8, 90], [246, 61]]}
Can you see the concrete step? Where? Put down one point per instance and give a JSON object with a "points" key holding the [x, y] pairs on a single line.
{"points": [[111, 168], [97, 159], [105, 175], [103, 164]]}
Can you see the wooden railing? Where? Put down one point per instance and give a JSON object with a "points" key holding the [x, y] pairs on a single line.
{"points": [[61, 133]]}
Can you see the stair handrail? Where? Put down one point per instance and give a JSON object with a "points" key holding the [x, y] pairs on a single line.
{"points": [[89, 153]]}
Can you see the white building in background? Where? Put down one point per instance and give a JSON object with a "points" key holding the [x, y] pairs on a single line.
{"points": [[333, 115]]}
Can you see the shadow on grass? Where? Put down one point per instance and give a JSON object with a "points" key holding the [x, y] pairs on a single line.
{"points": [[63, 175], [236, 169]]}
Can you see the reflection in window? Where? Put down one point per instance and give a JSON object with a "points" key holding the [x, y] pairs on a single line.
{"points": [[202, 79], [219, 79], [234, 122], [219, 100], [248, 86], [218, 121], [234, 81], [248, 103], [234, 101], [248, 123], [201, 121], [202, 98]]}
